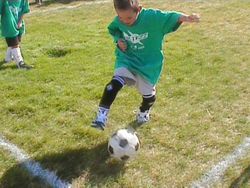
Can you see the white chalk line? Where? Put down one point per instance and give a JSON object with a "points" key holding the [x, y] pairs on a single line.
{"points": [[207, 179], [217, 171], [48, 10], [34, 168]]}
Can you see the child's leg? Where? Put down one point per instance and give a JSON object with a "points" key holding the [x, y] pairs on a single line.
{"points": [[108, 97], [8, 56], [20, 39], [144, 111], [15, 50], [147, 102], [148, 92], [13, 44], [110, 91]]}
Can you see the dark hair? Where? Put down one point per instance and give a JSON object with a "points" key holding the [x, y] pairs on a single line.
{"points": [[126, 4]]}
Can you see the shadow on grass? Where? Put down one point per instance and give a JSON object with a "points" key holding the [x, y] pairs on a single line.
{"points": [[242, 179], [93, 164], [135, 125], [4, 66]]}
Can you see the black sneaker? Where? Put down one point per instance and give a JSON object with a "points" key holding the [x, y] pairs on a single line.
{"points": [[22, 65]]}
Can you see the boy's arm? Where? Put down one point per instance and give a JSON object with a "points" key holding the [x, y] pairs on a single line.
{"points": [[1, 7], [20, 22], [117, 35], [114, 31], [189, 18], [25, 9]]}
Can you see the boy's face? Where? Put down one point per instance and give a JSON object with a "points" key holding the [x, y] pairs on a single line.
{"points": [[127, 17]]}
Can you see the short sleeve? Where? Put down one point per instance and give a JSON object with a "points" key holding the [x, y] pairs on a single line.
{"points": [[114, 30], [1, 7], [25, 7], [169, 21]]}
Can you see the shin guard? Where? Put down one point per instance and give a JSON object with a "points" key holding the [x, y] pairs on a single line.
{"points": [[147, 103], [110, 91]]}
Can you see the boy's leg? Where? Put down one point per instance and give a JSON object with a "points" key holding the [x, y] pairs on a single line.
{"points": [[144, 110], [110, 91], [13, 43], [108, 97], [8, 56], [148, 92], [147, 102], [19, 37]]}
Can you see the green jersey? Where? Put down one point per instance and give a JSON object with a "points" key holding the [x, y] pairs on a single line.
{"points": [[144, 40], [11, 11]]}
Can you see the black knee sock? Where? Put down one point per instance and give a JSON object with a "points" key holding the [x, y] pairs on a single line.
{"points": [[147, 103], [110, 92]]}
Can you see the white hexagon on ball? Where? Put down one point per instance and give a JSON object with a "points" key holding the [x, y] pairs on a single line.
{"points": [[123, 144]]}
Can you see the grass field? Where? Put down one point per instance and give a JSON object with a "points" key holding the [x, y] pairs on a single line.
{"points": [[203, 98]]}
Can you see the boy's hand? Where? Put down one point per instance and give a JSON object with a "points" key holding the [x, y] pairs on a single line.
{"points": [[190, 18], [19, 24], [194, 18], [122, 45]]}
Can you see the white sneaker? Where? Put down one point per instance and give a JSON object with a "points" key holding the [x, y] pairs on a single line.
{"points": [[142, 117], [101, 118]]}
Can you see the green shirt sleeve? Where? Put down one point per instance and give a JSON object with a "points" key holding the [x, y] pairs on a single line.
{"points": [[1, 5], [114, 30], [25, 7], [169, 21]]}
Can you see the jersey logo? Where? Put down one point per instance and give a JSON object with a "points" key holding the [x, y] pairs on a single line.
{"points": [[135, 38]]}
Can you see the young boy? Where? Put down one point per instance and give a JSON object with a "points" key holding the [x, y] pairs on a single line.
{"points": [[139, 35], [12, 28]]}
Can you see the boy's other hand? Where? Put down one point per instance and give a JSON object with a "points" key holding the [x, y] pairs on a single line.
{"points": [[190, 18], [194, 18], [122, 45], [19, 24]]}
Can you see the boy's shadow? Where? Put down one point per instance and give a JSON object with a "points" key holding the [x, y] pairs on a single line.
{"points": [[91, 164], [4, 66]]}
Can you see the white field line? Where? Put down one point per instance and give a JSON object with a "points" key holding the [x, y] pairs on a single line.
{"points": [[216, 173], [34, 168], [64, 7]]}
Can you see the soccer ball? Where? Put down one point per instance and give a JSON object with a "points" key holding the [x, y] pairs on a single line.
{"points": [[123, 144]]}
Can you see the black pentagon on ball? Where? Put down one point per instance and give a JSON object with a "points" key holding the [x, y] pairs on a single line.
{"points": [[125, 157], [111, 150], [137, 146], [123, 143]]}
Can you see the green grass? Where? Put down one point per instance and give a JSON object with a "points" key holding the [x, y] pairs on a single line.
{"points": [[201, 114]]}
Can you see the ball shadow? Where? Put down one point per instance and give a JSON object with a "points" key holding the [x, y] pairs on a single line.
{"points": [[134, 125], [94, 164]]}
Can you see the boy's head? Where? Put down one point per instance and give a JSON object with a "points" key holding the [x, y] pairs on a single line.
{"points": [[127, 10]]}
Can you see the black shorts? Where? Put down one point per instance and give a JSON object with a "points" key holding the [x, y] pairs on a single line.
{"points": [[13, 41]]}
